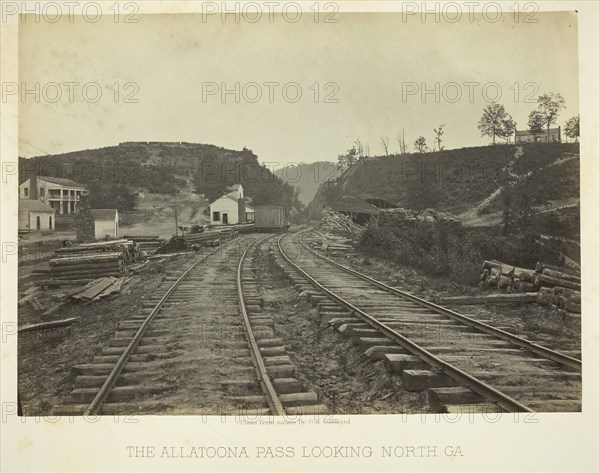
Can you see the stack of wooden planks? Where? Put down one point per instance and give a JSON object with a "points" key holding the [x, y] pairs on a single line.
{"points": [[147, 243], [125, 247], [555, 287], [71, 265], [88, 266], [97, 289], [209, 237]]}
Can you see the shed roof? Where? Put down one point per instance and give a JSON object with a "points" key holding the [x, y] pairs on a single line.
{"points": [[353, 204], [225, 196], [104, 214], [29, 205]]}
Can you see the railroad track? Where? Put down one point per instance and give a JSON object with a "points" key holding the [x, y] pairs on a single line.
{"points": [[201, 344], [465, 365]]}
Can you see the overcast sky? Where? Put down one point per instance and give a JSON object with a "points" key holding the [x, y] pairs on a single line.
{"points": [[371, 59]]}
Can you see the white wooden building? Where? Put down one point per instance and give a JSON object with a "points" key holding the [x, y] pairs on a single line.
{"points": [[60, 194], [230, 208], [35, 215], [106, 223]]}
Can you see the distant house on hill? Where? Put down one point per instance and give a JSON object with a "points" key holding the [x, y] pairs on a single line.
{"points": [[525, 136], [231, 208], [60, 194], [35, 215], [106, 223]]}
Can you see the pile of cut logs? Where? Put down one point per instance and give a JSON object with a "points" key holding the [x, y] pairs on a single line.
{"points": [[90, 261], [334, 222], [554, 286], [211, 237], [147, 243], [330, 242]]}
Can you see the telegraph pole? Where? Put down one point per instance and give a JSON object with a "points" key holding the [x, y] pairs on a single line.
{"points": [[176, 224]]}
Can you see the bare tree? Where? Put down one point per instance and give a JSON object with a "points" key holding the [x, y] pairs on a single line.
{"points": [[401, 142], [438, 136], [360, 149], [385, 142]]}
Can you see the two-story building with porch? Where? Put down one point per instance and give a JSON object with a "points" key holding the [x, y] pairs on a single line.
{"points": [[61, 194]]}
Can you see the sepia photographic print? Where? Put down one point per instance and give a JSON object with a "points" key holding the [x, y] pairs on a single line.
{"points": [[302, 236]]}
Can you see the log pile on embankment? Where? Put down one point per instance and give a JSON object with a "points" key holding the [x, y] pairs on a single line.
{"points": [[90, 261], [339, 224], [147, 243], [211, 237], [336, 232], [555, 287]]}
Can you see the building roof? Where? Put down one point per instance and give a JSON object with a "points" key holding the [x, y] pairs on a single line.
{"points": [[225, 196], [234, 187], [104, 214], [364, 196], [353, 204], [33, 205], [61, 181]]}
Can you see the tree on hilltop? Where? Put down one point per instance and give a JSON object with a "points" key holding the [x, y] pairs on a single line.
{"points": [[572, 128], [549, 106], [496, 122], [421, 144]]}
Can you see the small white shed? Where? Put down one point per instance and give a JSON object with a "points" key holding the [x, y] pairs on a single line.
{"points": [[35, 215], [106, 223]]}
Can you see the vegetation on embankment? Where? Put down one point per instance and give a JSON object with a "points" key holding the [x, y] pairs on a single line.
{"points": [[441, 246], [114, 175], [458, 180]]}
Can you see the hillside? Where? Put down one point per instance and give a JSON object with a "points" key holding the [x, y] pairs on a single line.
{"points": [[118, 176], [469, 182], [307, 177]]}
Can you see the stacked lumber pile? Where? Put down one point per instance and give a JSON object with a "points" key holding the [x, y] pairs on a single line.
{"points": [[88, 266], [335, 223], [126, 247], [71, 265], [244, 228], [211, 237], [147, 243], [555, 287]]}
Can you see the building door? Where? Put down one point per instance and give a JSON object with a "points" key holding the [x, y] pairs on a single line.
{"points": [[50, 222], [225, 218], [37, 223]]}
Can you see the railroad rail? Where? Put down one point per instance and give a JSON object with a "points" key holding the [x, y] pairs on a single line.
{"points": [[164, 359], [481, 365]]}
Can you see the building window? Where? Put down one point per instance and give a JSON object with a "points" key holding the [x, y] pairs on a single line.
{"points": [[216, 216], [50, 222], [41, 192], [26, 192]]}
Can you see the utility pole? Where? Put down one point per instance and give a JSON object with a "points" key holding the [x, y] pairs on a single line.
{"points": [[176, 224]]}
